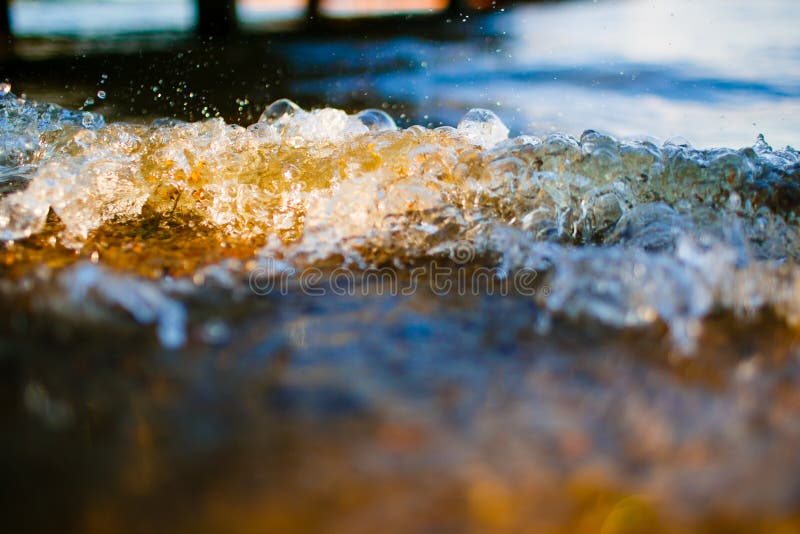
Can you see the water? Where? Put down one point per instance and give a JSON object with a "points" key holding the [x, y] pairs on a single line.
{"points": [[683, 228], [716, 72], [319, 318], [487, 268]]}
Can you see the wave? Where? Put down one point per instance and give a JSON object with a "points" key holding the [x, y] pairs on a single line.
{"points": [[627, 233]]}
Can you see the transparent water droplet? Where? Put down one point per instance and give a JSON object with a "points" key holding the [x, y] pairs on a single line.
{"points": [[376, 120], [279, 111], [101, 95]]}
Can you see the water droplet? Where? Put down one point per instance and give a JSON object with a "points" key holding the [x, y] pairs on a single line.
{"points": [[279, 111], [87, 120], [376, 120], [101, 95]]}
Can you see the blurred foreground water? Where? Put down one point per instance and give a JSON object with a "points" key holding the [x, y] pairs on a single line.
{"points": [[320, 321]]}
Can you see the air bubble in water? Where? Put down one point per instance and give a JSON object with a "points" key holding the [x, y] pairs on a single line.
{"points": [[87, 120], [483, 127], [678, 141], [101, 95], [279, 111], [376, 120]]}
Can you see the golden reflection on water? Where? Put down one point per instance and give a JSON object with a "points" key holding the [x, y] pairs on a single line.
{"points": [[324, 494], [150, 247]]}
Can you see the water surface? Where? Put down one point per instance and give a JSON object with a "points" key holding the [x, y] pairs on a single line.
{"points": [[203, 320]]}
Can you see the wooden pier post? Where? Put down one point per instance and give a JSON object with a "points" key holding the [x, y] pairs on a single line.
{"points": [[456, 8], [216, 17], [5, 19], [313, 9]]}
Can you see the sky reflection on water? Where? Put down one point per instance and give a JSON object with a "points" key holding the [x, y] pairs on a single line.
{"points": [[717, 72]]}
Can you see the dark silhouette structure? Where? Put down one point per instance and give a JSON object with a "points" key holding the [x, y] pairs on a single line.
{"points": [[5, 19], [457, 7], [312, 9], [216, 17]]}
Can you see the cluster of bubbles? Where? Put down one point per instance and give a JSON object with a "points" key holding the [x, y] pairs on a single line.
{"points": [[627, 233], [24, 125]]}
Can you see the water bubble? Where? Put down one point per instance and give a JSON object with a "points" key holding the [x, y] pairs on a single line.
{"points": [[561, 146], [592, 140], [483, 127], [88, 120], [279, 111], [376, 120], [506, 173], [101, 95], [678, 141], [88, 102]]}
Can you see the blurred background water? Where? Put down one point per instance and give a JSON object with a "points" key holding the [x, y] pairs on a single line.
{"points": [[717, 72]]}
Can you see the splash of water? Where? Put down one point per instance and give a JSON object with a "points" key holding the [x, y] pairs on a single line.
{"points": [[627, 233]]}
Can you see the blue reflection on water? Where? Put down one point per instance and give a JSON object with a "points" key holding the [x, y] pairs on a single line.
{"points": [[718, 72]]}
